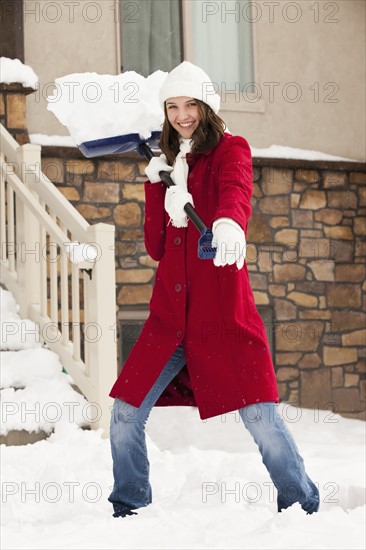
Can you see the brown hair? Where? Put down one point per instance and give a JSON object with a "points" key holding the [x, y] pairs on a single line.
{"points": [[206, 136]]}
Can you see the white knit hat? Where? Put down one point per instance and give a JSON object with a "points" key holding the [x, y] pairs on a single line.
{"points": [[189, 80]]}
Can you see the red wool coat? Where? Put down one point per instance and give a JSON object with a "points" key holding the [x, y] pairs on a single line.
{"points": [[210, 310]]}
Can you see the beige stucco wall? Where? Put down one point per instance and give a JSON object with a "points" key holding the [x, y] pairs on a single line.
{"points": [[330, 52], [306, 52], [82, 40]]}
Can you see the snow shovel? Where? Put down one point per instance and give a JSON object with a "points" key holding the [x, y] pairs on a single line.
{"points": [[131, 142]]}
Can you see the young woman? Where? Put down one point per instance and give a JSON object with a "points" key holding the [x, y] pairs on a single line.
{"points": [[204, 342]]}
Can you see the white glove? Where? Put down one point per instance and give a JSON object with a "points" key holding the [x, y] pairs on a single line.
{"points": [[175, 199], [229, 239], [156, 165]]}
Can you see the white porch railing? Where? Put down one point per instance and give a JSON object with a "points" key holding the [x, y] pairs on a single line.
{"points": [[73, 304]]}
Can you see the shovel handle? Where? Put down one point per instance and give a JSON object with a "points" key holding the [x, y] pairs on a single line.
{"points": [[165, 177]]}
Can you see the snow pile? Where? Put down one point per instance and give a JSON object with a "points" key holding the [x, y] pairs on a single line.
{"points": [[94, 106], [13, 70], [16, 333], [55, 140], [81, 252], [284, 152]]}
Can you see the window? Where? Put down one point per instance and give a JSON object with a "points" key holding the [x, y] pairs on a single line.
{"points": [[219, 39], [150, 35], [216, 35], [130, 324]]}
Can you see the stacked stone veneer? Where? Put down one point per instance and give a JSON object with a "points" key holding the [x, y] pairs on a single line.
{"points": [[13, 110], [306, 258]]}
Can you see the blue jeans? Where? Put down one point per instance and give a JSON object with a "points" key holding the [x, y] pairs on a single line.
{"points": [[280, 455]]}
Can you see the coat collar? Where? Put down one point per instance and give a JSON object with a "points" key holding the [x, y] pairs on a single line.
{"points": [[193, 158]]}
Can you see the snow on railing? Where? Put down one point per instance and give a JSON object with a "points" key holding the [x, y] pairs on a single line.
{"points": [[61, 271]]}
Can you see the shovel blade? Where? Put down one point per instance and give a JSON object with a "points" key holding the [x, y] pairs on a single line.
{"points": [[117, 144]]}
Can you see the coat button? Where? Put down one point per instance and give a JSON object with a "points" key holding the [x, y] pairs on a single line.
{"points": [[179, 333], [177, 241], [178, 287]]}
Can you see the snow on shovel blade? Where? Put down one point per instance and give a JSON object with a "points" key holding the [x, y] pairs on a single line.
{"points": [[117, 144]]}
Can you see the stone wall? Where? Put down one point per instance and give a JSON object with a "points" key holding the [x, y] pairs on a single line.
{"points": [[306, 258], [13, 110]]}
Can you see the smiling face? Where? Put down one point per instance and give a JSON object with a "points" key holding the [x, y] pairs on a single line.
{"points": [[183, 115]]}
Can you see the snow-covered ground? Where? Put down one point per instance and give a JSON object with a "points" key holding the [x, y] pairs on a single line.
{"points": [[210, 488]]}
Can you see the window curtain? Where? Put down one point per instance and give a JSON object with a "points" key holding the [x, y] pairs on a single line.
{"points": [[222, 42], [150, 35]]}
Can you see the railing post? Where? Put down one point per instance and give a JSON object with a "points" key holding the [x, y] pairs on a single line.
{"points": [[29, 254], [100, 321]]}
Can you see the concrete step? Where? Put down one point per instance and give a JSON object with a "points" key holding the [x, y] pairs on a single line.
{"points": [[22, 437]]}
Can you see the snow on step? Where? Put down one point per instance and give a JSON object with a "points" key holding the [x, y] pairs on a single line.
{"points": [[16, 333], [36, 395], [42, 405], [22, 368]]}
